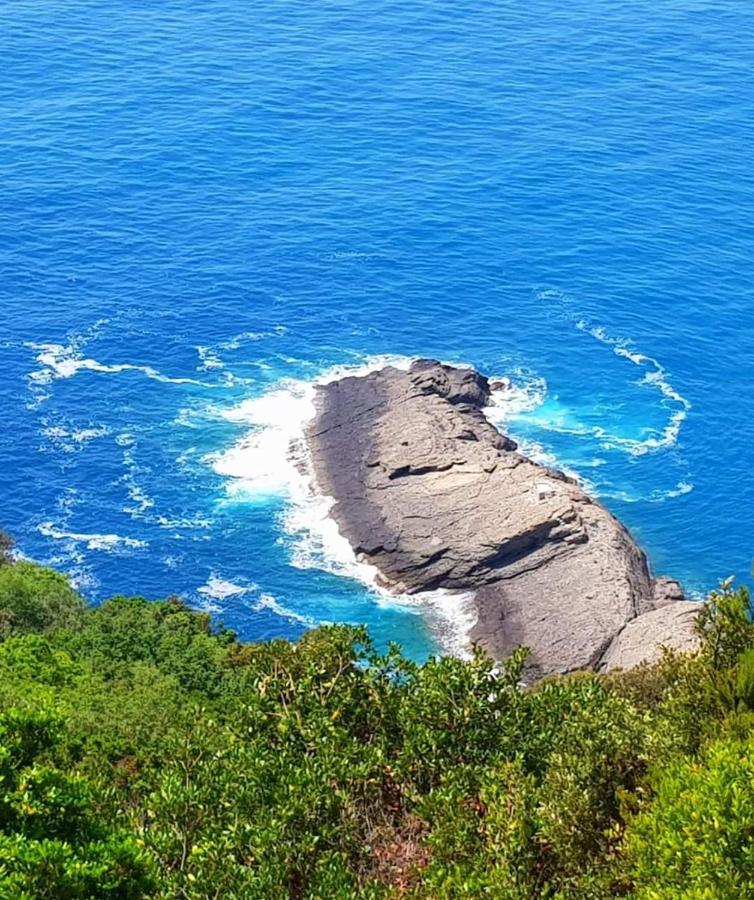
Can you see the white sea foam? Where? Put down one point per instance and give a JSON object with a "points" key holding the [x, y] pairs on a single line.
{"points": [[525, 398], [184, 522], [140, 499], [656, 377], [267, 601], [70, 439], [59, 361], [516, 394], [658, 495], [238, 340], [107, 542], [262, 464], [208, 359], [272, 460], [210, 356], [683, 487], [519, 397], [82, 579], [219, 589]]}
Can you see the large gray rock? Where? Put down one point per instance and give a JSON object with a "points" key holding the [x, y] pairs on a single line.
{"points": [[429, 492], [643, 638]]}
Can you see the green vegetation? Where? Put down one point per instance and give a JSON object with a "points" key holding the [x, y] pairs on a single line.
{"points": [[145, 752]]}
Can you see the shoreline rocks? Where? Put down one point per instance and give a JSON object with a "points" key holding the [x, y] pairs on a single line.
{"points": [[431, 494]]}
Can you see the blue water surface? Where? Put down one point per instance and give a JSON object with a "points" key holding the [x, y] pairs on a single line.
{"points": [[199, 200]]}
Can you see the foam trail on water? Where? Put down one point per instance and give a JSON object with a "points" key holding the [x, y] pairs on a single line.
{"points": [[208, 359], [61, 361], [656, 496], [655, 377], [267, 601], [107, 542], [219, 588], [70, 439], [216, 590], [272, 460]]}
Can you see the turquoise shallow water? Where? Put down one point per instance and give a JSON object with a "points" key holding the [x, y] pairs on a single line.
{"points": [[201, 201]]}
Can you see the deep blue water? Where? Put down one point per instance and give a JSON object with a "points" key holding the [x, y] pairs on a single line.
{"points": [[199, 200]]}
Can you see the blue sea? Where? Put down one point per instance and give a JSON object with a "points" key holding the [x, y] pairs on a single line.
{"points": [[207, 207]]}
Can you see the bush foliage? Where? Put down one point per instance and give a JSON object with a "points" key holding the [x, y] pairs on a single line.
{"points": [[146, 752]]}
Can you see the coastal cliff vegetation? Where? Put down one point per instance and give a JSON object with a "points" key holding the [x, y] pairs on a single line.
{"points": [[146, 752]]}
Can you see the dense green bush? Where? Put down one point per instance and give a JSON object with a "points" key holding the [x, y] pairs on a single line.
{"points": [[697, 837], [36, 599], [145, 752], [53, 841]]}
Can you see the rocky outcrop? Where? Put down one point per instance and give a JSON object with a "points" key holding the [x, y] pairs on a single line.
{"points": [[642, 639], [429, 492]]}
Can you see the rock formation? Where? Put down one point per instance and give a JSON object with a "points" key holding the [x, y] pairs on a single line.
{"points": [[429, 492], [642, 638]]}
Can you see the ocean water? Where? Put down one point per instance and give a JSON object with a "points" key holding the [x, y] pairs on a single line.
{"points": [[206, 208]]}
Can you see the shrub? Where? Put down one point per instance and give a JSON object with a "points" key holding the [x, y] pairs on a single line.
{"points": [[697, 837], [35, 599]]}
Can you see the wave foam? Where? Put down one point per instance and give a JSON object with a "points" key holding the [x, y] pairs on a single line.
{"points": [[219, 589], [520, 398], [655, 377], [656, 496], [60, 361], [268, 602], [71, 439], [272, 460], [107, 542], [517, 394], [208, 359], [216, 590]]}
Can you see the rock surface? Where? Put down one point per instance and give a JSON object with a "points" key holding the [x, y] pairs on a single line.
{"points": [[641, 640], [429, 492]]}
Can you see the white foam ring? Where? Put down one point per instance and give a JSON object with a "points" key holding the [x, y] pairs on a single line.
{"points": [[272, 460], [655, 377]]}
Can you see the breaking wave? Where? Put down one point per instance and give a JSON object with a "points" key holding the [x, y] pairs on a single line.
{"points": [[272, 461]]}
